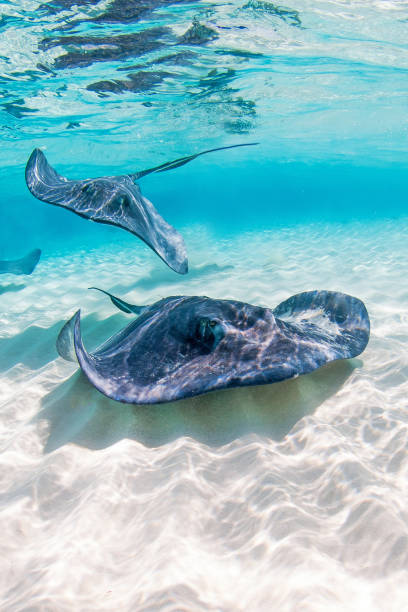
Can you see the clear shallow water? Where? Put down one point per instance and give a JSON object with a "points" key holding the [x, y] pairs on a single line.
{"points": [[282, 497]]}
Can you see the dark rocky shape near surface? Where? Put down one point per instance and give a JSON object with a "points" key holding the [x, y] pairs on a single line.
{"points": [[17, 108], [198, 34], [239, 113], [185, 346], [131, 11], [115, 11], [83, 51], [288, 15], [241, 53], [25, 265], [57, 6], [45, 69], [127, 11], [216, 80], [184, 58], [136, 82]]}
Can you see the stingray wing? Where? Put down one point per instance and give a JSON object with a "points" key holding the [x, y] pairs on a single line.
{"points": [[46, 184], [106, 368], [25, 265], [71, 348], [326, 325], [65, 340]]}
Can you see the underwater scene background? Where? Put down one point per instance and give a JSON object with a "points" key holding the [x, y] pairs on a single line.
{"points": [[290, 496]]}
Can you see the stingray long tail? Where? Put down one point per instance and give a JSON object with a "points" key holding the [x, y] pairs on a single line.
{"points": [[121, 304], [176, 163]]}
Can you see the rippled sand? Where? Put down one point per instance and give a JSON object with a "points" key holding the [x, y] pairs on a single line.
{"points": [[284, 497]]}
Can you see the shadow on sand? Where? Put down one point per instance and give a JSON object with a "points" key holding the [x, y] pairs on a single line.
{"points": [[12, 287], [35, 346], [76, 412], [160, 276]]}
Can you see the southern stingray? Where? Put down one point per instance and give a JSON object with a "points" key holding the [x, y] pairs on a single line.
{"points": [[184, 346], [25, 265], [116, 200]]}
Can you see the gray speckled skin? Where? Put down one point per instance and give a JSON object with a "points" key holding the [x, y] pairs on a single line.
{"points": [[25, 265], [185, 346], [116, 200]]}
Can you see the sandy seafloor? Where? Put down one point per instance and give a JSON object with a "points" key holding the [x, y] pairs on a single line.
{"points": [[284, 497]]}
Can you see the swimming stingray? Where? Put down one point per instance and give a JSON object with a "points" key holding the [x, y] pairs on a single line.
{"points": [[25, 265], [184, 346], [116, 200]]}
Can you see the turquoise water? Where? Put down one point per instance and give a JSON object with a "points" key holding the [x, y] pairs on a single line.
{"points": [[113, 87], [283, 497]]}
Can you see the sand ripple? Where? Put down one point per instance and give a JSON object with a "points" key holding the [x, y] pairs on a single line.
{"points": [[287, 497]]}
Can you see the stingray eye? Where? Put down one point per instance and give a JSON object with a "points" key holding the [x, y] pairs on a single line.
{"points": [[206, 333], [124, 201], [85, 188]]}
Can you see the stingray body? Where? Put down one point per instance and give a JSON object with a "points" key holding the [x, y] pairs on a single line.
{"points": [[25, 265], [116, 200], [184, 346]]}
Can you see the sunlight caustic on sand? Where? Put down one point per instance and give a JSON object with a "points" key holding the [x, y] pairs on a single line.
{"points": [[287, 495]]}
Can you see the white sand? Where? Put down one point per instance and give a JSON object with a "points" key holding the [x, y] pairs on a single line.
{"points": [[284, 497]]}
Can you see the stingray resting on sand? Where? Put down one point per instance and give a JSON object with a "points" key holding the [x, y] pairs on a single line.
{"points": [[25, 265], [184, 346], [116, 200]]}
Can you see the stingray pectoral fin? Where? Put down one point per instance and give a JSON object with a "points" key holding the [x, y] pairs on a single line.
{"points": [[176, 163], [44, 182], [162, 238], [29, 262], [121, 304], [65, 340], [100, 373], [339, 318], [71, 348], [25, 265]]}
